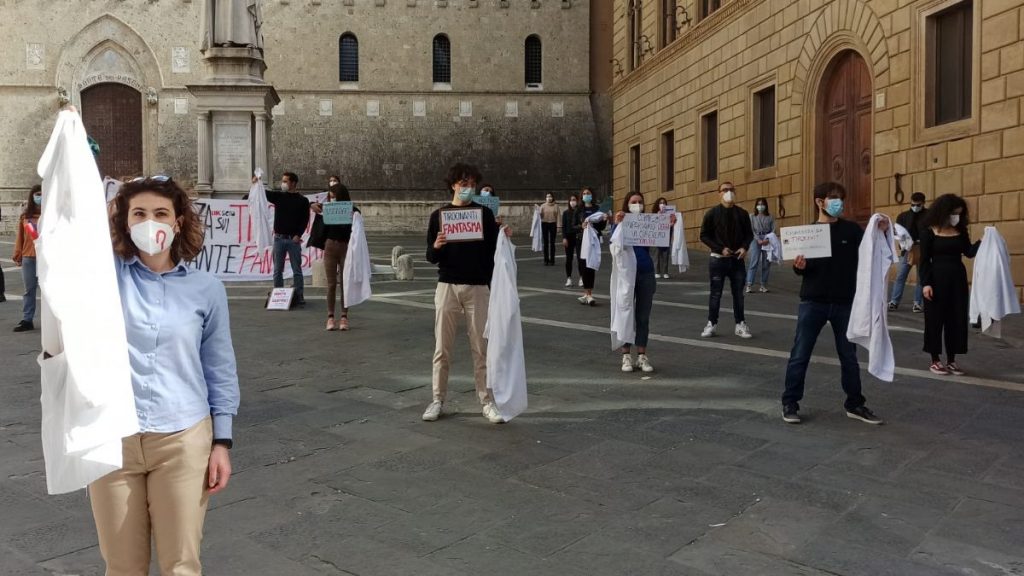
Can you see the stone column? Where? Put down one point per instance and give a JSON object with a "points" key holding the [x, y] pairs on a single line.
{"points": [[204, 186], [261, 154]]}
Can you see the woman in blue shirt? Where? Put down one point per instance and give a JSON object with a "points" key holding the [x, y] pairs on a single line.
{"points": [[185, 383], [643, 292]]}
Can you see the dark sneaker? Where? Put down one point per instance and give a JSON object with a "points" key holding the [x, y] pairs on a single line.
{"points": [[893, 306], [790, 415], [24, 326], [3, 298], [864, 415], [953, 369], [938, 368]]}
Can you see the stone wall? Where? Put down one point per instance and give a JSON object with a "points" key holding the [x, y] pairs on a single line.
{"points": [[718, 61]]}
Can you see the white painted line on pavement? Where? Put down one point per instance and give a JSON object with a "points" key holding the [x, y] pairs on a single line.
{"points": [[716, 344]]}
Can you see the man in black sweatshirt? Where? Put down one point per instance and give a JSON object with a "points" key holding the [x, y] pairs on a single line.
{"points": [[911, 220], [726, 230], [826, 295], [291, 216], [464, 274]]}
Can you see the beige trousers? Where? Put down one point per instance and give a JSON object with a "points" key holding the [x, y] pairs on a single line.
{"points": [[450, 302], [160, 493]]}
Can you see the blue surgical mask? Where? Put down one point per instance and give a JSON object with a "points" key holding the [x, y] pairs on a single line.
{"points": [[588, 198], [37, 199], [485, 192], [761, 207], [834, 207], [465, 194]]}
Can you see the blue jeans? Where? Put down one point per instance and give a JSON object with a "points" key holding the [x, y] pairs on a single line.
{"points": [[287, 246], [722, 268], [810, 320], [643, 300], [28, 274], [758, 257], [901, 280]]}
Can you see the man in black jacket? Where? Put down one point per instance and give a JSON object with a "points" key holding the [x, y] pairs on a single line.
{"points": [[911, 220], [291, 216], [464, 271], [826, 295], [726, 230]]}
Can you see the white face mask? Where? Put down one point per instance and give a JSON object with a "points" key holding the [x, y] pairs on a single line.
{"points": [[636, 208], [284, 186], [152, 237], [550, 199], [729, 197], [572, 203], [954, 220]]}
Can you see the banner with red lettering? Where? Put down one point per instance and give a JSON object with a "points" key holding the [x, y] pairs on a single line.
{"points": [[229, 250]]}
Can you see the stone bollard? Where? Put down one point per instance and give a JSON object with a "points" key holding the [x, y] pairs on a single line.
{"points": [[404, 269], [396, 253], [319, 275]]}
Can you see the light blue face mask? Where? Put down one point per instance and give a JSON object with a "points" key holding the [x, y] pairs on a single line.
{"points": [[834, 207], [465, 194], [38, 200], [587, 198]]}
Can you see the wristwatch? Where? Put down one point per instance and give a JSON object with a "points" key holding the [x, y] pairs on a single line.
{"points": [[225, 442]]}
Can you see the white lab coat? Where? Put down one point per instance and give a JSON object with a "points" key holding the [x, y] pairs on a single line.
{"points": [[868, 320], [259, 212], [506, 363], [590, 251], [680, 256], [88, 404], [903, 238], [993, 295], [535, 231], [358, 269], [774, 248], [623, 289]]}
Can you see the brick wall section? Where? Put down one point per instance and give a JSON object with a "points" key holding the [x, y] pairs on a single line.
{"points": [[717, 60]]}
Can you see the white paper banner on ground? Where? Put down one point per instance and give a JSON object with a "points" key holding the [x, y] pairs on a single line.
{"points": [[811, 241], [647, 230], [462, 224], [229, 247], [337, 213]]}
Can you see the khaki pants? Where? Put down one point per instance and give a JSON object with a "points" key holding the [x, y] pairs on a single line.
{"points": [[334, 264], [160, 492], [450, 302]]}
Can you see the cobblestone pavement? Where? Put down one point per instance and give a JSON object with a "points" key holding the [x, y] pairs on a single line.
{"points": [[689, 471]]}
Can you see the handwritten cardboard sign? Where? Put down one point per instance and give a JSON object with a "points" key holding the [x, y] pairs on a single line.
{"points": [[491, 202], [280, 299], [647, 230], [810, 241], [337, 213], [463, 224]]}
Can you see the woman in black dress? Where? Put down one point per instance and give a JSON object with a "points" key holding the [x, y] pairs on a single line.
{"points": [[944, 242]]}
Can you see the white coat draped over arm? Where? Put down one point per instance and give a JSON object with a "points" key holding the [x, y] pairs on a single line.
{"points": [[358, 270], [993, 294], [590, 251], [506, 362], [680, 256], [868, 325], [88, 404], [259, 212], [623, 289], [903, 238], [774, 248], [535, 231]]}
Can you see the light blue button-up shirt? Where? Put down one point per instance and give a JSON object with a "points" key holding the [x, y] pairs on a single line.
{"points": [[179, 344]]}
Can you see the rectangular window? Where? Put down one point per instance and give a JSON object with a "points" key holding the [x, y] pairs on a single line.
{"points": [[709, 146], [949, 44], [667, 30], [635, 32], [707, 7], [764, 128], [668, 161], [634, 169]]}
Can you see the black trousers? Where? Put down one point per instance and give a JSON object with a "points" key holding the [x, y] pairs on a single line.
{"points": [[549, 230], [570, 257]]}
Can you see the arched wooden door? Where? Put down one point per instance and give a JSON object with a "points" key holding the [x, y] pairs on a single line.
{"points": [[843, 137], [112, 114]]}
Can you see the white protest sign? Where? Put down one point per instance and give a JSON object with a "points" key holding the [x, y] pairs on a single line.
{"points": [[668, 209], [491, 202], [810, 241], [280, 299], [110, 187], [646, 230], [337, 213], [462, 224]]}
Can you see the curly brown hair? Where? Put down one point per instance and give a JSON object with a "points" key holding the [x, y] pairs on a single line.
{"points": [[188, 242]]}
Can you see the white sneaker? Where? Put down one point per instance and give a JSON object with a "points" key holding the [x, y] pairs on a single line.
{"points": [[644, 363], [433, 411], [568, 282], [665, 276], [709, 330], [580, 283], [491, 413], [747, 289], [743, 331], [627, 362]]}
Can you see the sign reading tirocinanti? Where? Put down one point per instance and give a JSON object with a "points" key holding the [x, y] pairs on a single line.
{"points": [[462, 224]]}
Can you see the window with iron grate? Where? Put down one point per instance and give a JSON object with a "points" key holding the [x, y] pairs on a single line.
{"points": [[348, 50], [534, 62], [442, 60]]}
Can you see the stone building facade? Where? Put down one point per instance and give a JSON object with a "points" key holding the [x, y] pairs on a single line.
{"points": [[889, 97], [424, 83]]}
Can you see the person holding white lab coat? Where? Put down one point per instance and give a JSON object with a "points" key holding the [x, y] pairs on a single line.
{"points": [[583, 215], [185, 381]]}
